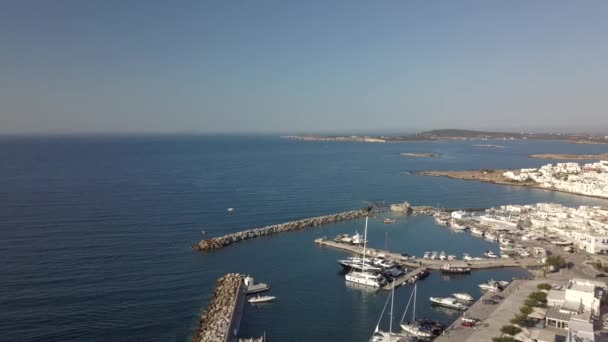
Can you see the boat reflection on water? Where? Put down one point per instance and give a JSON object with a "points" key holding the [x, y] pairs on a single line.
{"points": [[452, 276], [446, 311], [361, 287]]}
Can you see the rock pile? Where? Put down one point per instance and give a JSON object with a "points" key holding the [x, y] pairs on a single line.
{"points": [[215, 321], [222, 241]]}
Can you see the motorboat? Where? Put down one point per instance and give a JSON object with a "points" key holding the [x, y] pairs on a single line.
{"points": [[449, 302], [448, 268], [434, 255], [490, 254], [505, 256], [466, 257], [492, 286], [426, 255], [451, 257], [385, 264], [476, 231], [261, 299], [463, 296], [388, 221], [503, 240], [230, 210], [503, 283], [357, 239], [523, 253], [442, 255]]}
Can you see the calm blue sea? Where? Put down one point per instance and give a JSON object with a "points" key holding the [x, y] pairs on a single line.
{"points": [[95, 232]]}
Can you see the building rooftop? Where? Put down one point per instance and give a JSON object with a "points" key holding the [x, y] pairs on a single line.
{"points": [[554, 313]]}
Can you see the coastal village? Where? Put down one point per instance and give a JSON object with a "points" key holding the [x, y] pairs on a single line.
{"points": [[564, 248], [588, 179]]}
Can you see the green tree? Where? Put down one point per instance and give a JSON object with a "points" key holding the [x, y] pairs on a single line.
{"points": [[503, 339], [538, 296], [544, 286], [531, 302], [519, 319], [556, 261], [510, 330], [525, 310]]}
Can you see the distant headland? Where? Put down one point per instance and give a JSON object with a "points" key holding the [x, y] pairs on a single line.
{"points": [[456, 134]]}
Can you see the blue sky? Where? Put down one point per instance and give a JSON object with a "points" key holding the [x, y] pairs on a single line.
{"points": [[302, 66]]}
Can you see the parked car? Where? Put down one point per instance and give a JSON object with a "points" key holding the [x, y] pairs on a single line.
{"points": [[497, 297], [468, 324], [489, 302]]}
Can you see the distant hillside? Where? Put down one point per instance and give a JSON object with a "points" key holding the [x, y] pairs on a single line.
{"points": [[458, 134]]}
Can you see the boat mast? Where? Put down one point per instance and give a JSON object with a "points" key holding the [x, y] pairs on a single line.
{"points": [[390, 325], [415, 295], [364, 243]]}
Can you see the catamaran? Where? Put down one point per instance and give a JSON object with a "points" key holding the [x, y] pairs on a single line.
{"points": [[364, 277]]}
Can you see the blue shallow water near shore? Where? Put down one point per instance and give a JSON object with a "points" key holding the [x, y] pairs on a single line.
{"points": [[95, 232]]}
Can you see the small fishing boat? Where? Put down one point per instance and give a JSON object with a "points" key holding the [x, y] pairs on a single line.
{"points": [[388, 221], [448, 268], [449, 302], [463, 296], [261, 299], [230, 210]]}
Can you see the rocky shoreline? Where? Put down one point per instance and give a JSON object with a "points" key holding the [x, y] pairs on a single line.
{"points": [[223, 241], [215, 321]]}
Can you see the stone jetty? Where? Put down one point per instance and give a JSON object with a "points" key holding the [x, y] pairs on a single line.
{"points": [[216, 321], [223, 241]]}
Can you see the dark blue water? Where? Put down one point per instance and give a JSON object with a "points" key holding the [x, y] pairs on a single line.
{"points": [[95, 232]]}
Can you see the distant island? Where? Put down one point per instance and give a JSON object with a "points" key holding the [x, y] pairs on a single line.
{"points": [[420, 154], [571, 156], [456, 134]]}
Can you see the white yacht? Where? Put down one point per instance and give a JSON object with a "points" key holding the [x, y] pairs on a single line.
{"points": [[490, 254], [442, 255], [507, 249], [476, 231], [357, 239], [466, 257], [434, 255], [426, 255], [463, 296], [364, 277], [449, 302], [451, 257]]}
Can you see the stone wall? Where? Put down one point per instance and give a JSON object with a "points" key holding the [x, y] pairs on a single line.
{"points": [[215, 321], [223, 241]]}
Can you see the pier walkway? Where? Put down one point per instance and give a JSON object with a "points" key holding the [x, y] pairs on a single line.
{"points": [[404, 278], [428, 263]]}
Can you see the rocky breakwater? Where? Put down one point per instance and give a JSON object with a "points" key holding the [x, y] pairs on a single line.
{"points": [[223, 241], [216, 320]]}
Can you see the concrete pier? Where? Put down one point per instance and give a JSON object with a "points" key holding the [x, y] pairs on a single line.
{"points": [[428, 263], [221, 320]]}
